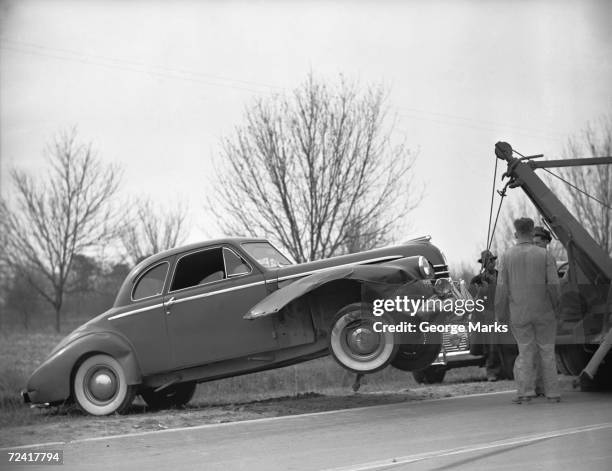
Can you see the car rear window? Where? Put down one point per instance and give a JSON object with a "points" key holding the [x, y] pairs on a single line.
{"points": [[151, 283]]}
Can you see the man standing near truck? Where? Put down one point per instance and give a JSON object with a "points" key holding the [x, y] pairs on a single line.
{"points": [[482, 286], [541, 237], [528, 293]]}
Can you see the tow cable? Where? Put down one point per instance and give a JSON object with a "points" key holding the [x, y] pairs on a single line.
{"points": [[502, 192]]}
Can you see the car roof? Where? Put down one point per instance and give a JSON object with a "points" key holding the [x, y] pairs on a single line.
{"points": [[196, 245]]}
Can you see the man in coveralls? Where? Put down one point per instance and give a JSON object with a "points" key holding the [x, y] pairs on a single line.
{"points": [[528, 289], [541, 238]]}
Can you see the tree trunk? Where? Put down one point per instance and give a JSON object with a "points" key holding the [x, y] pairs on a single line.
{"points": [[57, 318]]}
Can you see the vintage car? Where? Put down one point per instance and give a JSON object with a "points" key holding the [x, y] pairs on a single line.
{"points": [[233, 306]]}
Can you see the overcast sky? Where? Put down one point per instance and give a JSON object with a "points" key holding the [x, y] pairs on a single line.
{"points": [[155, 85]]}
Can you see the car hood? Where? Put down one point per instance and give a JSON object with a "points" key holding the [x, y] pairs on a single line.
{"points": [[376, 256]]}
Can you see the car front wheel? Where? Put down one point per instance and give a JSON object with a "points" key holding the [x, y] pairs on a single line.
{"points": [[354, 342], [100, 386]]}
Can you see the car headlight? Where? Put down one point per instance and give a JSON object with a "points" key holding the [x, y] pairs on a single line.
{"points": [[425, 268], [443, 287]]}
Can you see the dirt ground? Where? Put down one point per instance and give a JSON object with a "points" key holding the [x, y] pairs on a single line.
{"points": [[67, 424]]}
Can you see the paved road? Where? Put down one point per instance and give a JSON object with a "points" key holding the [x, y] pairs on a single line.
{"points": [[476, 432]]}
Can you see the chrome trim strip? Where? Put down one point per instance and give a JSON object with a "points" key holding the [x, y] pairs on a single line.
{"points": [[441, 265], [135, 311], [189, 298], [220, 291], [360, 262]]}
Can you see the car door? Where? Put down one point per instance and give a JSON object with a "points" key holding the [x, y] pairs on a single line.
{"points": [[143, 321], [210, 292]]}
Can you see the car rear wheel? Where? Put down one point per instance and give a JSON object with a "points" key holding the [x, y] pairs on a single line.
{"points": [[430, 375], [100, 386], [356, 345], [175, 395]]}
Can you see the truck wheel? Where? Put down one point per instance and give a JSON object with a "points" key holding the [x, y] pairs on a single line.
{"points": [[100, 386], [175, 395], [429, 375], [572, 359], [355, 344], [603, 377]]}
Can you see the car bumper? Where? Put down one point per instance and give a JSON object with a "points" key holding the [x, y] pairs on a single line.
{"points": [[30, 397], [454, 358]]}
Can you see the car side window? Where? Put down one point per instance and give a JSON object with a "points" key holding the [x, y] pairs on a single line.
{"points": [[234, 264], [151, 283], [198, 268]]}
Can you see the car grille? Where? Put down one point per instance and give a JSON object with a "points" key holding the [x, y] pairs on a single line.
{"points": [[441, 271], [456, 342]]}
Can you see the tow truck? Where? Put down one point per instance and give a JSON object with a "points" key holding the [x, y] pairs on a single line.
{"points": [[584, 330]]}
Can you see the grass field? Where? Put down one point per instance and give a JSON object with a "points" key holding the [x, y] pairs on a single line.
{"points": [[21, 352]]}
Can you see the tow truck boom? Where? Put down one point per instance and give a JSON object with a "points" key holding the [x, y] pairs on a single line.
{"points": [[589, 287]]}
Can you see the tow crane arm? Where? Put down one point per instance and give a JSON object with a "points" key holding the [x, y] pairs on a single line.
{"points": [[586, 260]]}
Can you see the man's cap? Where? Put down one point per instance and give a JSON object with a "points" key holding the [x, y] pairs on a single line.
{"points": [[543, 233], [486, 255], [524, 225]]}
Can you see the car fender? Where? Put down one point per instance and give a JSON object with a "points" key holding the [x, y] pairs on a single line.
{"points": [[51, 381], [396, 273]]}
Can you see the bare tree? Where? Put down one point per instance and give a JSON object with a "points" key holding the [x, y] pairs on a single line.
{"points": [[596, 216], [150, 229], [316, 171], [5, 275], [68, 212]]}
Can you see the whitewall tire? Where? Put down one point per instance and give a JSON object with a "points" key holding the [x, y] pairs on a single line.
{"points": [[356, 345], [100, 386]]}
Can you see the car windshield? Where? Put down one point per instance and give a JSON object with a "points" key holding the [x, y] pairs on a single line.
{"points": [[266, 254]]}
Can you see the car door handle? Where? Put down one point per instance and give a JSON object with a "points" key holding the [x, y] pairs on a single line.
{"points": [[169, 304]]}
